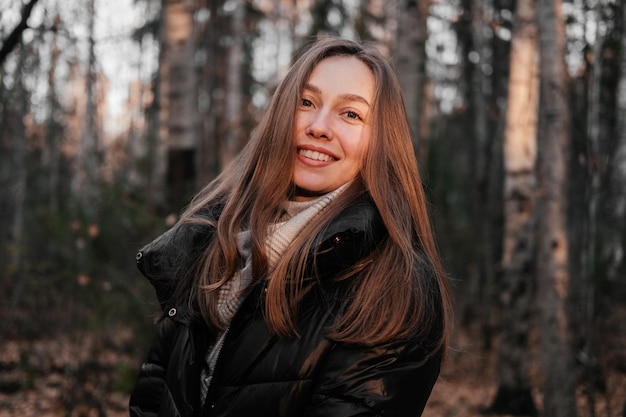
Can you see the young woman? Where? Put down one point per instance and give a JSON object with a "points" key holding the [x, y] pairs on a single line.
{"points": [[304, 280]]}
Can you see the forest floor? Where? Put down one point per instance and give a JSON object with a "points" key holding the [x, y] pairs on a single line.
{"points": [[91, 374], [468, 383]]}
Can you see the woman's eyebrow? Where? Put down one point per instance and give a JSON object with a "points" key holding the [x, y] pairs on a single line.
{"points": [[354, 97], [347, 96]]}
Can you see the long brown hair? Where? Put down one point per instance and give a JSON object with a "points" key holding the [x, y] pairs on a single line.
{"points": [[402, 287]]}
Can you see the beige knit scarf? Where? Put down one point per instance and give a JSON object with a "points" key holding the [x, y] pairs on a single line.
{"points": [[297, 216]]}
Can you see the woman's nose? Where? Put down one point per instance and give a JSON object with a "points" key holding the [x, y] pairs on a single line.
{"points": [[319, 127]]}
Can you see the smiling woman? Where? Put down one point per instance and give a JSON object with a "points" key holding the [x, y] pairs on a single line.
{"points": [[332, 131], [304, 280]]}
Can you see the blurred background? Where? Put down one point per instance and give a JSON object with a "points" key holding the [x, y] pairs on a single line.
{"points": [[113, 114]]}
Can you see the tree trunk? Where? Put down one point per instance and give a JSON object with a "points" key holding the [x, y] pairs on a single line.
{"points": [[178, 93], [154, 159], [329, 17], [552, 262], [284, 15], [520, 150], [234, 139], [53, 135], [411, 67], [477, 57], [587, 284], [85, 176], [18, 196], [616, 246], [480, 11], [5, 179], [493, 206], [379, 21], [211, 103]]}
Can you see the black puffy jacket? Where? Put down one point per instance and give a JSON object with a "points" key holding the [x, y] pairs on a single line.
{"points": [[259, 374]]}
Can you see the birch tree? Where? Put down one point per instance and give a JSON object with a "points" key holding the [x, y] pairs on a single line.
{"points": [[520, 150], [552, 262]]}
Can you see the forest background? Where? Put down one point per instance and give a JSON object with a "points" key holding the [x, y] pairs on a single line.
{"points": [[112, 114]]}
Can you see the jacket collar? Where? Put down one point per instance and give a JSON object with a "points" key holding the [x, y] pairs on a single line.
{"points": [[353, 234]]}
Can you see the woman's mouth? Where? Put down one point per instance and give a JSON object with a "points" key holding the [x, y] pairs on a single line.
{"points": [[315, 155]]}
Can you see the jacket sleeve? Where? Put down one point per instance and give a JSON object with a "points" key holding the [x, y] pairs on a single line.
{"points": [[150, 388], [394, 379]]}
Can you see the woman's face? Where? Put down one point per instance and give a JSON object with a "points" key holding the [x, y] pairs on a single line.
{"points": [[333, 126]]}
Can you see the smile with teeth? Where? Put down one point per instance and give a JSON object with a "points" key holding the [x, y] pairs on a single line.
{"points": [[318, 156]]}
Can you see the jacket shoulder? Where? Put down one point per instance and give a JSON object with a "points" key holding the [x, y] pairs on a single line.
{"points": [[175, 251], [349, 238], [361, 216]]}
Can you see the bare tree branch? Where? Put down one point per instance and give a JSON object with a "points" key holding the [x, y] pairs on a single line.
{"points": [[14, 37]]}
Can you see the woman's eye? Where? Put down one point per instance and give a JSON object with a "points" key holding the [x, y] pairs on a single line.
{"points": [[352, 115], [306, 103]]}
